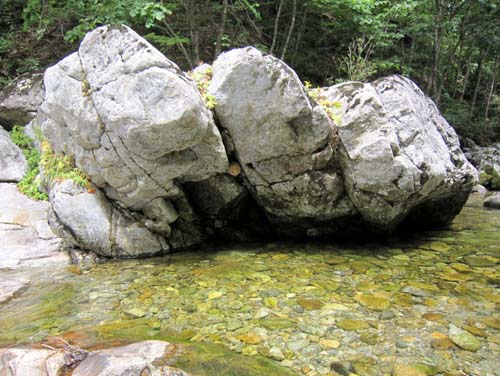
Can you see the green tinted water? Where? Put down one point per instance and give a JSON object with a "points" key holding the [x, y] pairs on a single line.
{"points": [[314, 308]]}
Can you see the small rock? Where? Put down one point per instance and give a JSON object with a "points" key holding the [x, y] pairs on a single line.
{"points": [[439, 247], [352, 325], [276, 354], [464, 339], [330, 343], [406, 370], [262, 312], [312, 329], [276, 324], [214, 294], [298, 345], [373, 302], [440, 341], [386, 315], [309, 304], [415, 292], [493, 322], [135, 312], [480, 261], [369, 338], [250, 338], [432, 316]]}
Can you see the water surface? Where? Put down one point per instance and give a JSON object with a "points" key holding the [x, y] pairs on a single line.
{"points": [[309, 309]]}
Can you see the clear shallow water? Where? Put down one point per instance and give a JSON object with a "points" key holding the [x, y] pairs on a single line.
{"points": [[362, 308]]}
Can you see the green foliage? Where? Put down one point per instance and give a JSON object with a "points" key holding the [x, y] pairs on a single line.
{"points": [[331, 108], [58, 167], [356, 64], [202, 80], [326, 41], [30, 184], [55, 167], [165, 42]]}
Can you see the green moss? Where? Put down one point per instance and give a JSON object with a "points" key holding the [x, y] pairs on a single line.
{"points": [[331, 108], [57, 167], [484, 178], [202, 80], [495, 180], [30, 184]]}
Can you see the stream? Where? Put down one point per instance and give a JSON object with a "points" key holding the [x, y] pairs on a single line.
{"points": [[429, 303]]}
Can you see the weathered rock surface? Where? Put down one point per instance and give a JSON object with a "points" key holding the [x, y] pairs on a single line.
{"points": [[166, 177], [22, 361], [12, 161], [134, 123], [398, 153], [11, 287], [492, 200], [27, 239], [135, 359], [20, 100], [283, 140], [142, 358], [88, 220]]}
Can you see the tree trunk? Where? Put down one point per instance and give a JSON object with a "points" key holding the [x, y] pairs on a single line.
{"points": [[276, 27], [290, 30], [493, 86], [436, 47], [300, 35], [467, 73], [222, 27], [478, 82]]}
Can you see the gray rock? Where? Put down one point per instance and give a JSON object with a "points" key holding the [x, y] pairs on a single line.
{"points": [[12, 162], [283, 141], [27, 239], [20, 100], [135, 124], [492, 200], [20, 361], [133, 359], [9, 288], [91, 222], [148, 357], [398, 153]]}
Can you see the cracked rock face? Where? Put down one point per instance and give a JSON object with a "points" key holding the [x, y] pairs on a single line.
{"points": [[135, 359], [141, 131], [12, 162], [283, 141], [398, 153], [26, 237], [136, 125], [89, 221]]}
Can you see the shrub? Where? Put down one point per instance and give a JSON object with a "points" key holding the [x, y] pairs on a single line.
{"points": [[30, 184]]}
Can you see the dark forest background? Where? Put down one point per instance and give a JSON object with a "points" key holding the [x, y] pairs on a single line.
{"points": [[450, 48]]}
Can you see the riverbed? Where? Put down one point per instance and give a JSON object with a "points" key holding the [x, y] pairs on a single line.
{"points": [[427, 303]]}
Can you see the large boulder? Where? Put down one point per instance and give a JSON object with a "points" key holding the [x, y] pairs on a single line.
{"points": [[282, 139], [88, 220], [20, 100], [12, 162], [27, 239], [141, 358], [166, 176], [492, 200], [399, 156], [136, 125]]}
